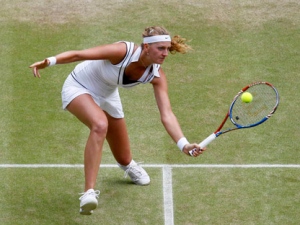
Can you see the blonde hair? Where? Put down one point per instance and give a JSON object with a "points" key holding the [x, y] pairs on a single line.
{"points": [[178, 44]]}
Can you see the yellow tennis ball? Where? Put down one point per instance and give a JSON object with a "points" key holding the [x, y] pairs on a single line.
{"points": [[247, 97]]}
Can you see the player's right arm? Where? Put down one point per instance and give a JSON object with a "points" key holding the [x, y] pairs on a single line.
{"points": [[113, 52]]}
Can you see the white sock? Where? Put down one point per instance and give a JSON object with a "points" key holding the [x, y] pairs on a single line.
{"points": [[132, 163]]}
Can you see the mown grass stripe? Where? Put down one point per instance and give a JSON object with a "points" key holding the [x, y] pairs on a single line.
{"points": [[156, 166]]}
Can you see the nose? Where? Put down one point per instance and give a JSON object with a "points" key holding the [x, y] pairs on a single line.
{"points": [[165, 52]]}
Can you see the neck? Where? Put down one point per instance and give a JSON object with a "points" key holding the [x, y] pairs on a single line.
{"points": [[144, 65], [143, 60]]}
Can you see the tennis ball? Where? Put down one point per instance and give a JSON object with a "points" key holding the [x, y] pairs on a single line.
{"points": [[247, 97]]}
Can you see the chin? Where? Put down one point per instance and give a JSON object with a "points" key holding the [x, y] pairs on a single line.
{"points": [[160, 61]]}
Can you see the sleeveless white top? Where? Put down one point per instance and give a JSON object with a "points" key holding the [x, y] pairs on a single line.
{"points": [[92, 74]]}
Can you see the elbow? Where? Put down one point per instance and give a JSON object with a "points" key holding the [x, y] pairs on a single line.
{"points": [[163, 120], [166, 119]]}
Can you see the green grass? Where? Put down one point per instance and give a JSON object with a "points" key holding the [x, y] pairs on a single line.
{"points": [[30, 204], [234, 42], [239, 196]]}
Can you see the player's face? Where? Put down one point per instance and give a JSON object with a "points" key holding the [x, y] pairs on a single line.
{"points": [[159, 51]]}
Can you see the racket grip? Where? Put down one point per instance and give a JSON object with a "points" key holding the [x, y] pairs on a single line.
{"points": [[205, 142]]}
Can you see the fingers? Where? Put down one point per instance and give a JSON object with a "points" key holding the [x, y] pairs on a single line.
{"points": [[35, 72], [193, 150], [196, 152], [36, 66]]}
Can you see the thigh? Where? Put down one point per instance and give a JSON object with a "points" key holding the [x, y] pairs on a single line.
{"points": [[118, 140], [86, 110], [117, 130]]}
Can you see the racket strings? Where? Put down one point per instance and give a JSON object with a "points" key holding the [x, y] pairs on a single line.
{"points": [[264, 101]]}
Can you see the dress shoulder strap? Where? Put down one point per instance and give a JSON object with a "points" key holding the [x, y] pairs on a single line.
{"points": [[126, 60]]}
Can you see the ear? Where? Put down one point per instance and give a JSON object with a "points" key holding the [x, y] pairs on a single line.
{"points": [[146, 46]]}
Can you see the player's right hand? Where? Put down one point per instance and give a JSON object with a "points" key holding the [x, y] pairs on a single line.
{"points": [[196, 150], [37, 66]]}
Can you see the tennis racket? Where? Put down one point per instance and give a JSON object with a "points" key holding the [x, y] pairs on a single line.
{"points": [[245, 115]]}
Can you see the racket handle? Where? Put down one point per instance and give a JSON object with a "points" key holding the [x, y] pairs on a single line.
{"points": [[205, 142]]}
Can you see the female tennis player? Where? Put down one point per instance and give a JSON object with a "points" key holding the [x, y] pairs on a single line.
{"points": [[90, 92]]}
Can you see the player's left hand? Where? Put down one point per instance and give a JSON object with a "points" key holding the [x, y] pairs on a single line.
{"points": [[196, 149]]}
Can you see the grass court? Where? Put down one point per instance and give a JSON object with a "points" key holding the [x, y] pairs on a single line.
{"points": [[247, 177]]}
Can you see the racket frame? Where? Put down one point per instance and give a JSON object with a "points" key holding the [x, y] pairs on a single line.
{"points": [[218, 132]]}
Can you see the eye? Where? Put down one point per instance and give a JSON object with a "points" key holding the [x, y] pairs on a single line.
{"points": [[163, 48]]}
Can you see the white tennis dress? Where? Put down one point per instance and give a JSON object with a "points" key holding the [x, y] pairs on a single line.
{"points": [[101, 80]]}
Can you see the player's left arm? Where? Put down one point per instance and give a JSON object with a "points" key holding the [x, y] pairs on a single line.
{"points": [[167, 116]]}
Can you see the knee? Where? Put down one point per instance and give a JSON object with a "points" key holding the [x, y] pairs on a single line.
{"points": [[99, 128]]}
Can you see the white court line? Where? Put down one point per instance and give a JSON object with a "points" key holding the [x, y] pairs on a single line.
{"points": [[168, 195], [156, 165]]}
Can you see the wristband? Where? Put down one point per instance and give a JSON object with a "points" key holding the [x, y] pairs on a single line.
{"points": [[52, 61], [182, 142]]}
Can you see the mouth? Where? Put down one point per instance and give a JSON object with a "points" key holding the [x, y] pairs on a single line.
{"points": [[161, 60]]}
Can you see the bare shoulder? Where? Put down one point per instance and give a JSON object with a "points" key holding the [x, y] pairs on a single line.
{"points": [[118, 51], [118, 47]]}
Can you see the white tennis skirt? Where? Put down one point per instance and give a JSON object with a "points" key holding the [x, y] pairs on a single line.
{"points": [[109, 100]]}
